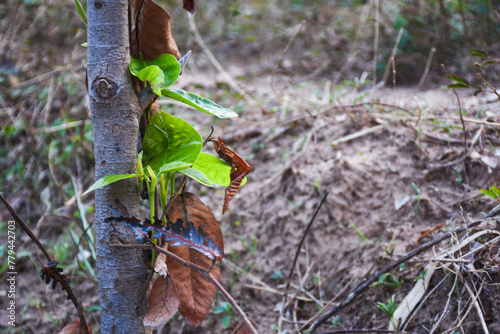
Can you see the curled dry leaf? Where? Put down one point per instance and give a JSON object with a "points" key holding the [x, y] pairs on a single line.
{"points": [[239, 169], [242, 327], [160, 264], [195, 291], [163, 302], [152, 34], [73, 328]]}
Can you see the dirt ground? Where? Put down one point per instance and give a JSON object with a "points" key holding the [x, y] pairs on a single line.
{"points": [[371, 182], [392, 161]]}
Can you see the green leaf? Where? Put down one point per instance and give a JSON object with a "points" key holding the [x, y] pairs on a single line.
{"points": [[490, 62], [215, 169], [458, 86], [170, 139], [108, 180], [226, 320], [174, 166], [167, 64], [488, 192], [458, 79], [154, 76], [224, 307], [197, 176], [81, 11], [495, 190], [479, 53], [199, 103]]}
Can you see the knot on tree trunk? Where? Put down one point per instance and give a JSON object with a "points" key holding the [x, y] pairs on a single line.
{"points": [[104, 89]]}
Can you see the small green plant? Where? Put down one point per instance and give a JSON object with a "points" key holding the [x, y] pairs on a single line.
{"points": [[421, 276], [317, 185], [457, 82], [418, 197], [362, 236], [446, 127], [389, 279], [225, 307], [250, 245], [346, 86], [493, 192], [277, 275], [389, 308], [335, 321]]}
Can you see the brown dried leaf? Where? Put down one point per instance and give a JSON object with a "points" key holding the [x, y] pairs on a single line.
{"points": [[428, 231], [163, 302], [188, 5], [196, 292], [160, 263], [152, 34], [242, 327], [239, 169], [73, 328]]}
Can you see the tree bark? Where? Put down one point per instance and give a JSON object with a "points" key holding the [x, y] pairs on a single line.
{"points": [[121, 273]]}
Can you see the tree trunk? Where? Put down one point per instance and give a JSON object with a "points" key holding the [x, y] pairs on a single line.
{"points": [[121, 273]]}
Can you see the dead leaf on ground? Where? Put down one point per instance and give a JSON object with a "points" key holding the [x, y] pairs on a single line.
{"points": [[163, 302], [73, 328], [196, 292], [152, 34], [428, 231]]}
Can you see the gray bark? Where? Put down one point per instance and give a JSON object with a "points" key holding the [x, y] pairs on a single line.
{"points": [[121, 273]]}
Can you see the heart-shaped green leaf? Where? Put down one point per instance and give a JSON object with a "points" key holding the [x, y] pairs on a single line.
{"points": [[154, 76], [200, 103], [170, 139], [166, 63]]}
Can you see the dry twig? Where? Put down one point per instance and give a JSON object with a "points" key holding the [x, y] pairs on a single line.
{"points": [[396, 263]]}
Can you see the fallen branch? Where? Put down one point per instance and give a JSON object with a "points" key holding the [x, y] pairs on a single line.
{"points": [[297, 252], [394, 264], [357, 134], [467, 153]]}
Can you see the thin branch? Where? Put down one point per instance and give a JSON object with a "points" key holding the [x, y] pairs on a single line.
{"points": [[146, 97], [462, 120], [282, 56], [215, 62], [25, 227], [396, 263], [297, 252], [427, 66], [202, 270], [461, 159], [393, 54], [84, 325]]}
